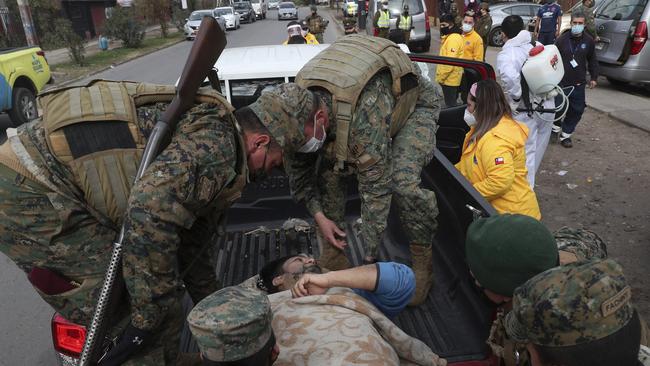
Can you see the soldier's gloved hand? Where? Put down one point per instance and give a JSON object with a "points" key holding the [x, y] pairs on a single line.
{"points": [[132, 341]]}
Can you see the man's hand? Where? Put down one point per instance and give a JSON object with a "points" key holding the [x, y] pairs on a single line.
{"points": [[311, 284], [593, 84], [330, 231]]}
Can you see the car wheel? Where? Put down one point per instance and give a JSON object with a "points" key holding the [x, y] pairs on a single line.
{"points": [[494, 38], [23, 106]]}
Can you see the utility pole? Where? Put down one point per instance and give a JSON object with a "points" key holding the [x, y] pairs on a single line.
{"points": [[28, 25]]}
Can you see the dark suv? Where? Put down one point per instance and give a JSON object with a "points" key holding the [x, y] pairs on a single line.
{"points": [[245, 10]]}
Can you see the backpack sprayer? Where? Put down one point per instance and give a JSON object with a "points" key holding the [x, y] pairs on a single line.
{"points": [[541, 74]]}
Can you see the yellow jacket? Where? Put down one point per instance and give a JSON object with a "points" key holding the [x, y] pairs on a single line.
{"points": [[310, 38], [473, 49], [496, 167], [452, 46]]}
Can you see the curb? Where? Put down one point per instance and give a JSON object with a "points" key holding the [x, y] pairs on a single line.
{"points": [[68, 82], [624, 121]]}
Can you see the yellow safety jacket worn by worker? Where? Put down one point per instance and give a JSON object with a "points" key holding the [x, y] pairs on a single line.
{"points": [[105, 170], [384, 19], [473, 48], [405, 22], [496, 167], [344, 69], [452, 46]]}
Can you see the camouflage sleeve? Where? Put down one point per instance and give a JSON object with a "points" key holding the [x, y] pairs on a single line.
{"points": [[182, 182], [370, 147], [301, 171], [430, 99]]}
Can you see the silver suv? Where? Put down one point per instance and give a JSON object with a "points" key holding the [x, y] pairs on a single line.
{"points": [[420, 35], [622, 26]]}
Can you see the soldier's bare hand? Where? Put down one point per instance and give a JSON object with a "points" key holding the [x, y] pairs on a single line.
{"points": [[310, 284], [330, 231]]}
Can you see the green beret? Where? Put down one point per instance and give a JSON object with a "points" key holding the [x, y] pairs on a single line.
{"points": [[570, 305], [284, 111], [231, 324], [504, 251]]}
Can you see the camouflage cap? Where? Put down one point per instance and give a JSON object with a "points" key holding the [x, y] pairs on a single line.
{"points": [[570, 305], [504, 251], [284, 111], [485, 5], [231, 324]]}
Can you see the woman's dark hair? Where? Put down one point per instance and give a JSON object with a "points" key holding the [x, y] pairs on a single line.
{"points": [[491, 106], [512, 25], [270, 271], [620, 348], [261, 358], [296, 40]]}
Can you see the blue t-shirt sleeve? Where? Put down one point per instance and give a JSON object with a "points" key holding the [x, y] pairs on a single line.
{"points": [[540, 12], [395, 287]]}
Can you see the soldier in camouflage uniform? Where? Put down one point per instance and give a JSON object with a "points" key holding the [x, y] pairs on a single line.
{"points": [[316, 24], [505, 251], [578, 314], [234, 325], [66, 191], [385, 167]]}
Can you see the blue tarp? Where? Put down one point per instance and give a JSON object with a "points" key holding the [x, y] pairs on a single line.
{"points": [[5, 94]]}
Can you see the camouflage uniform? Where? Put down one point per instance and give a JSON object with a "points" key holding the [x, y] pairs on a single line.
{"points": [[572, 305], [169, 218], [231, 324], [574, 245], [316, 26], [398, 164]]}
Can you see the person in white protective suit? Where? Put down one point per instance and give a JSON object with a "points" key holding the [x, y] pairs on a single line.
{"points": [[509, 64]]}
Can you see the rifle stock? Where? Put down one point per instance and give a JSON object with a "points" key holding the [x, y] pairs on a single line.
{"points": [[208, 45]]}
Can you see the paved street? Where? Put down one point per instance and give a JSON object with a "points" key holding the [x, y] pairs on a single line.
{"points": [[25, 326]]}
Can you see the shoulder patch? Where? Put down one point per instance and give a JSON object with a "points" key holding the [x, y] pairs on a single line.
{"points": [[499, 161], [616, 302], [205, 189]]}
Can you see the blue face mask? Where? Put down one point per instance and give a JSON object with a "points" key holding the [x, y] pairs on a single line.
{"points": [[577, 29]]}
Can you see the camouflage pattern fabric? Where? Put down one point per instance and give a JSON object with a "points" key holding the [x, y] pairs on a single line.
{"points": [[571, 305], [316, 26], [397, 164], [341, 328], [231, 324], [170, 215]]}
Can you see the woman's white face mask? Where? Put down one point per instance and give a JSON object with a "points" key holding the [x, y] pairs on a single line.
{"points": [[469, 118]]}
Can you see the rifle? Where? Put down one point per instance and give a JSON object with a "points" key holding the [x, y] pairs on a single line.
{"points": [[208, 45]]}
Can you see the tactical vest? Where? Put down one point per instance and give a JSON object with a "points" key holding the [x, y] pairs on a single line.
{"points": [[93, 131], [344, 69]]}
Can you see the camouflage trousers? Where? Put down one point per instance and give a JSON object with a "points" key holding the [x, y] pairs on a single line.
{"points": [[40, 228], [412, 150], [319, 37]]}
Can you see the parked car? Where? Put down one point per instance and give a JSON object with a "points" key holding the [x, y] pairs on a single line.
{"points": [[287, 10], [528, 11], [349, 8], [192, 23], [421, 34], [260, 7], [273, 4], [229, 16], [245, 10], [454, 321], [23, 74], [622, 26]]}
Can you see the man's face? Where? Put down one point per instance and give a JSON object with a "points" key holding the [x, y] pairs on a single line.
{"points": [[468, 20], [294, 268], [262, 156], [578, 21]]}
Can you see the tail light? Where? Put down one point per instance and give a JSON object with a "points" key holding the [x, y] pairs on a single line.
{"points": [[68, 337], [376, 32], [640, 37], [427, 26]]}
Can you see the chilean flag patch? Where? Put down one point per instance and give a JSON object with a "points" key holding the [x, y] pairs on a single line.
{"points": [[499, 161]]}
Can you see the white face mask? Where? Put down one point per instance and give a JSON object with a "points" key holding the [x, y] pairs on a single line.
{"points": [[467, 27], [469, 118], [313, 144]]}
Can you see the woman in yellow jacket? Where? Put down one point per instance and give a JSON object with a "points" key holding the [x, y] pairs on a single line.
{"points": [[494, 158], [452, 46]]}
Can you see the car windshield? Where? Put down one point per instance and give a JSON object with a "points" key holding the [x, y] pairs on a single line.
{"points": [[241, 6], [220, 12], [396, 6], [622, 9], [198, 15], [287, 5], [574, 7]]}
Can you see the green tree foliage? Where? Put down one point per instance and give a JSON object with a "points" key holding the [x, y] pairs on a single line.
{"points": [[156, 12], [74, 43], [124, 25]]}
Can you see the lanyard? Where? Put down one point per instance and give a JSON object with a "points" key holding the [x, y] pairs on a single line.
{"points": [[574, 49]]}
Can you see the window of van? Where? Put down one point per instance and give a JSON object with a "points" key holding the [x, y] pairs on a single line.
{"points": [[245, 92], [396, 6], [622, 9]]}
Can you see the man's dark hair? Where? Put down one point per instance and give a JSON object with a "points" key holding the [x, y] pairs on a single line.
{"points": [[261, 358], [269, 272], [447, 18], [620, 348], [512, 25], [578, 14], [249, 122]]}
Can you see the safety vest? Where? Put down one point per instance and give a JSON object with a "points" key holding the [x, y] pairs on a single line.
{"points": [[93, 132], [384, 19], [405, 23], [344, 69]]}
